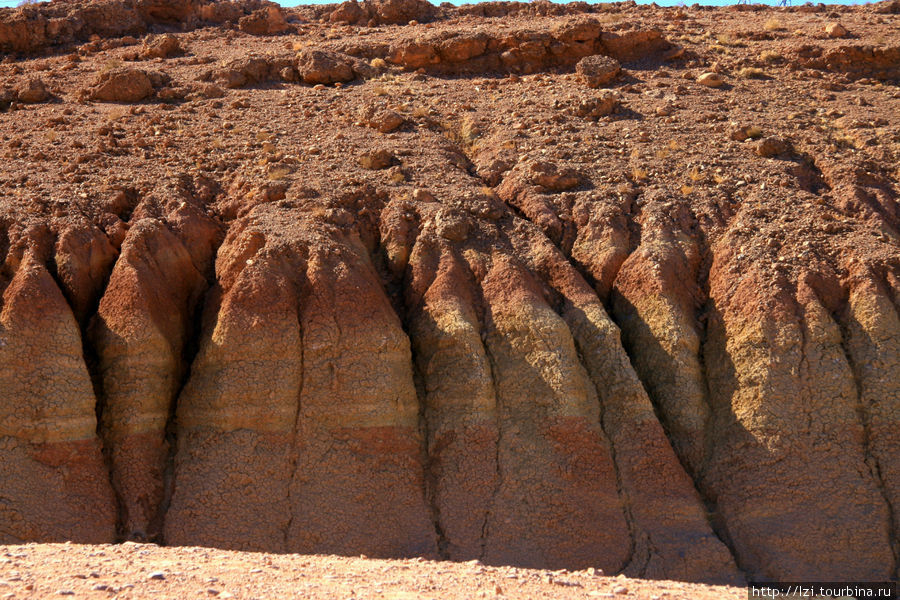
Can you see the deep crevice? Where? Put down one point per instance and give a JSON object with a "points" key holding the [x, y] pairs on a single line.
{"points": [[717, 524], [189, 353], [394, 291], [485, 526], [623, 494], [484, 315], [429, 490], [90, 356], [295, 434], [706, 308], [429, 478]]}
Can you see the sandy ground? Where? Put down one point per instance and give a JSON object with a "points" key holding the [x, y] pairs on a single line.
{"points": [[149, 571]]}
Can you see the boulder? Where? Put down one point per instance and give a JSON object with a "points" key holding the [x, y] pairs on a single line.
{"points": [[122, 85], [32, 91], [324, 66], [265, 21]]}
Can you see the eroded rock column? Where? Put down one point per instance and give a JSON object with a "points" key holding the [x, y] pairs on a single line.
{"points": [[54, 484]]}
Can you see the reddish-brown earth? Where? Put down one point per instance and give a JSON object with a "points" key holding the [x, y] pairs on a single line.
{"points": [[410, 281]]}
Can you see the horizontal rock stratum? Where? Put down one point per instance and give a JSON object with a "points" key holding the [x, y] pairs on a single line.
{"points": [[392, 279]]}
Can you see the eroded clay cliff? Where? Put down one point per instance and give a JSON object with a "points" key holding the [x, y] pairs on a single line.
{"points": [[398, 280]]}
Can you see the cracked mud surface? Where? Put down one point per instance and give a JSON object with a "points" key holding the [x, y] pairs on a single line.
{"points": [[314, 281]]}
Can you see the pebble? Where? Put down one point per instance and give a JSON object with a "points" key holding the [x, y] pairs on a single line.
{"points": [[421, 195], [377, 159], [159, 575], [771, 146], [620, 590], [836, 30], [710, 79], [386, 121], [740, 133]]}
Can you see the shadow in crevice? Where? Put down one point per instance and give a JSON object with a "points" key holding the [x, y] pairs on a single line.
{"points": [[640, 344]]}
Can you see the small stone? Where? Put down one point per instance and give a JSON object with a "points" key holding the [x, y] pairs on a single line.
{"points": [[420, 195], [772, 146], [377, 159], [170, 94], [162, 47], [740, 133], [397, 175], [65, 593], [597, 70], [452, 227], [620, 590], [665, 110], [159, 575], [836, 30], [710, 79], [385, 121], [212, 91], [604, 104], [552, 178], [288, 74]]}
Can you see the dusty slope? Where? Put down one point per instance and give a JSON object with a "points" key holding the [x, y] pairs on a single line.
{"points": [[278, 282]]}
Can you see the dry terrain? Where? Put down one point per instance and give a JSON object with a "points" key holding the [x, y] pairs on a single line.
{"points": [[549, 286], [145, 571]]}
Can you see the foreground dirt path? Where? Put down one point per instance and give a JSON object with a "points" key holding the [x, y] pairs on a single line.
{"points": [[148, 571]]}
